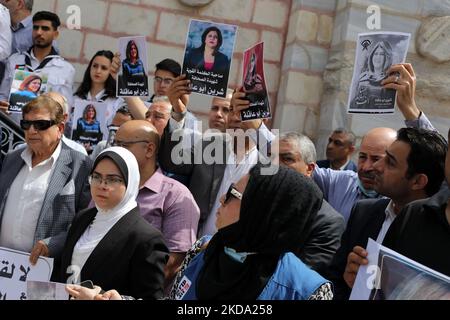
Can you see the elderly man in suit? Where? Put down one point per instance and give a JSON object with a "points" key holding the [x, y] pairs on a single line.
{"points": [[43, 185]]}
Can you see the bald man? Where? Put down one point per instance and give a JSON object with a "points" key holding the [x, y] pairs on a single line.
{"points": [[343, 188], [164, 202]]}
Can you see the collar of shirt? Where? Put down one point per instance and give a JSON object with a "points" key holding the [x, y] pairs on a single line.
{"points": [[98, 96], [27, 156], [345, 164], [155, 182], [23, 24], [389, 211]]}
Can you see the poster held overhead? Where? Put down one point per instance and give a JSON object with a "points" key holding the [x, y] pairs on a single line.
{"points": [[254, 84], [132, 80], [207, 57], [375, 53]]}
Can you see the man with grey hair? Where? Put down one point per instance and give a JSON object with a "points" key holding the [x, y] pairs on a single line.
{"points": [[21, 23], [340, 147], [298, 152]]}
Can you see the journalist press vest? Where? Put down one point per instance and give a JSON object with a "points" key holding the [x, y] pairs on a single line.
{"points": [[292, 280]]}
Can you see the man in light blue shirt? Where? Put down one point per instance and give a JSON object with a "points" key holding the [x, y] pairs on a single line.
{"points": [[343, 188], [21, 23]]}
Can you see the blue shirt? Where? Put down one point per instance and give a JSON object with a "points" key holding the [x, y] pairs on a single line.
{"points": [[340, 189], [292, 280], [22, 35]]}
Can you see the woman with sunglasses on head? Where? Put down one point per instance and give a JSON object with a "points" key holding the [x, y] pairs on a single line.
{"points": [[98, 84], [111, 244], [263, 223]]}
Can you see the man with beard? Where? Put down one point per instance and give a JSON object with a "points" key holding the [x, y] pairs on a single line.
{"points": [[343, 188], [41, 58], [421, 231], [412, 169]]}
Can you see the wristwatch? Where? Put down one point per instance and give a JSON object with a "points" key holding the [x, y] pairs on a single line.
{"points": [[178, 115]]}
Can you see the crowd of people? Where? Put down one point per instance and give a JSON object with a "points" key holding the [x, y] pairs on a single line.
{"points": [[184, 214]]}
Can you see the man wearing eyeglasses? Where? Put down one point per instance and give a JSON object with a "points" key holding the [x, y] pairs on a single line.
{"points": [[43, 185], [166, 71], [164, 202]]}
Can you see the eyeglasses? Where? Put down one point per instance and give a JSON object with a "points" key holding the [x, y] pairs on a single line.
{"points": [[232, 192], [37, 124], [166, 81], [125, 144], [110, 181]]}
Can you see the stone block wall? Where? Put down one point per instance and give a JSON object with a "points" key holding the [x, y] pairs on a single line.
{"points": [[165, 24]]}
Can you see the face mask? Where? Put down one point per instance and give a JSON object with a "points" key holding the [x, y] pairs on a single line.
{"points": [[368, 193], [237, 256]]}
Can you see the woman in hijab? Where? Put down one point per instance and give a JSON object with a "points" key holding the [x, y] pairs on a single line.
{"points": [[262, 224], [111, 244]]}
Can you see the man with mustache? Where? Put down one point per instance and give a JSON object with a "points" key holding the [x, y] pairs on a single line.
{"points": [[412, 169], [343, 188]]}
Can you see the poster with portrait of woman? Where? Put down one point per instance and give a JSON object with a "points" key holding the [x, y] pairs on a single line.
{"points": [[132, 80], [25, 87], [207, 56], [254, 84], [375, 54], [89, 123]]}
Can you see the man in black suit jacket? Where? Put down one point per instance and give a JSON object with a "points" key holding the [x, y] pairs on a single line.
{"points": [[412, 169], [299, 153]]}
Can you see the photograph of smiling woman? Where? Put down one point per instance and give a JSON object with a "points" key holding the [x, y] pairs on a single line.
{"points": [[375, 54]]}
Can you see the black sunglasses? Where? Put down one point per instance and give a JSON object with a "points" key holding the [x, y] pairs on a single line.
{"points": [[37, 124], [232, 192]]}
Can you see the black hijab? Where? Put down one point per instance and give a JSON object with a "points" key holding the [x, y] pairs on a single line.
{"points": [[276, 214]]}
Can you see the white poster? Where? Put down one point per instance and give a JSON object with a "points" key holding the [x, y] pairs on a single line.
{"points": [[375, 54], [16, 270], [392, 276]]}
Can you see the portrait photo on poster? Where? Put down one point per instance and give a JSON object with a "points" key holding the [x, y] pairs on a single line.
{"points": [[400, 280], [132, 80], [375, 54], [254, 84], [25, 87], [207, 56], [89, 123]]}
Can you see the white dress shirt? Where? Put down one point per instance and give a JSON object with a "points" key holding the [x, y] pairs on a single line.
{"points": [[5, 33], [233, 173], [390, 217], [24, 202]]}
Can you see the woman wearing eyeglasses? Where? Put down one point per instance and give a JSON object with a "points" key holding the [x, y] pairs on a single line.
{"points": [[111, 244], [263, 223]]}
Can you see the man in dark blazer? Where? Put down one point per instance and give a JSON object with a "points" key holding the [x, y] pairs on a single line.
{"points": [[43, 185], [412, 169], [298, 152], [206, 177], [340, 147]]}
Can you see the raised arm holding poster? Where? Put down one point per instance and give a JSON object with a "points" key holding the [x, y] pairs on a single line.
{"points": [[375, 53], [254, 84], [132, 80], [208, 55], [89, 123], [16, 270], [26, 86]]}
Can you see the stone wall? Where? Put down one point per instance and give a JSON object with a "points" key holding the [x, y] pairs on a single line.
{"points": [[433, 81], [310, 48], [165, 24]]}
